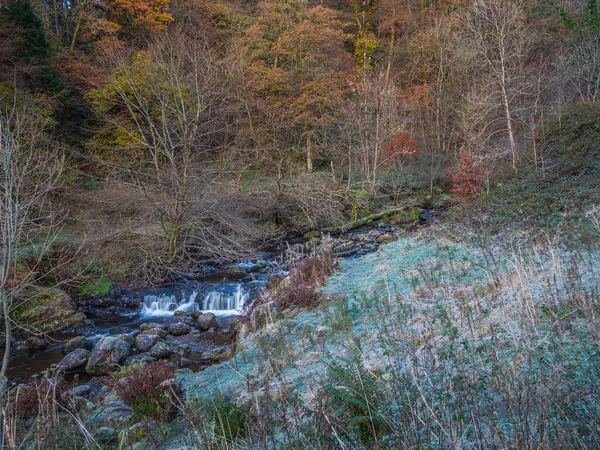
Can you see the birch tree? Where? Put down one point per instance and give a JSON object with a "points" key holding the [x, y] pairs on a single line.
{"points": [[29, 169]]}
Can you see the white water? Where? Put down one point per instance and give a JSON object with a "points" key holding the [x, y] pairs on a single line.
{"points": [[218, 302]]}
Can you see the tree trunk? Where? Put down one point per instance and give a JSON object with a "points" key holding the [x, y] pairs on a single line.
{"points": [[309, 154]]}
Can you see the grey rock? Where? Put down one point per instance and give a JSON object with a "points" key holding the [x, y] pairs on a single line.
{"points": [[75, 343], [83, 390], [34, 343], [76, 360], [179, 329], [109, 353], [207, 321], [236, 273], [345, 247], [144, 342], [265, 314], [151, 326], [160, 351]]}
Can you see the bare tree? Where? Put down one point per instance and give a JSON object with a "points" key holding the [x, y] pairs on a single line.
{"points": [[29, 169], [167, 102], [372, 120], [496, 34]]}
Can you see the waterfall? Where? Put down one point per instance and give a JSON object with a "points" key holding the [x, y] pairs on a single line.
{"points": [[166, 304], [225, 301], [227, 298]]}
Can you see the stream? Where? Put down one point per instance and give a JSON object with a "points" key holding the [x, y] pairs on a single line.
{"points": [[226, 299]]}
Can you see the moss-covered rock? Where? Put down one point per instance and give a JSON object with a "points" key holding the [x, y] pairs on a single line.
{"points": [[48, 309]]}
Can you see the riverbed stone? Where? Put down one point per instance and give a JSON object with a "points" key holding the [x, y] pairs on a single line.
{"points": [[75, 343], [145, 341], [179, 328], [236, 273], [385, 239], [139, 359], [160, 350], [344, 247], [179, 319], [265, 314], [108, 353], [207, 321], [152, 326], [75, 361], [35, 344]]}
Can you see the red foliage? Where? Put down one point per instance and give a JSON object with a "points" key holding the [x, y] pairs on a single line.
{"points": [[150, 389], [467, 179], [310, 273], [401, 147], [37, 398]]}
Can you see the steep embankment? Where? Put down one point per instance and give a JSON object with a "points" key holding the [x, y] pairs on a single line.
{"points": [[426, 341]]}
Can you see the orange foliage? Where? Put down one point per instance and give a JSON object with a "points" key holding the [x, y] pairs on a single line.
{"points": [[151, 15], [467, 180], [401, 147]]}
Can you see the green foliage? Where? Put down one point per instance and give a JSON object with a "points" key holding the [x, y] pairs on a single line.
{"points": [[101, 286], [32, 46], [230, 419], [589, 23], [357, 399]]}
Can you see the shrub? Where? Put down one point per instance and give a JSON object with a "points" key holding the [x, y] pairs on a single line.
{"points": [[310, 273], [467, 180], [149, 389], [37, 398]]}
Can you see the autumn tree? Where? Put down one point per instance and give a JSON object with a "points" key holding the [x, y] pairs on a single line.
{"points": [[161, 116], [299, 66]]}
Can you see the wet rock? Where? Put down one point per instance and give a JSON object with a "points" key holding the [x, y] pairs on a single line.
{"points": [[179, 328], [179, 348], [35, 344], [265, 314], [184, 371], [82, 391], [179, 319], [216, 354], [236, 273], [207, 321], [75, 343], [184, 362], [385, 239], [109, 353], [344, 247], [75, 361], [160, 350], [258, 267], [312, 235], [145, 341], [152, 326]]}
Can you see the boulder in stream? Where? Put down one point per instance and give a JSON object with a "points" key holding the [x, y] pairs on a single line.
{"points": [[207, 321], [179, 328], [75, 343], [145, 341], [236, 273], [108, 353], [75, 361], [160, 350]]}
